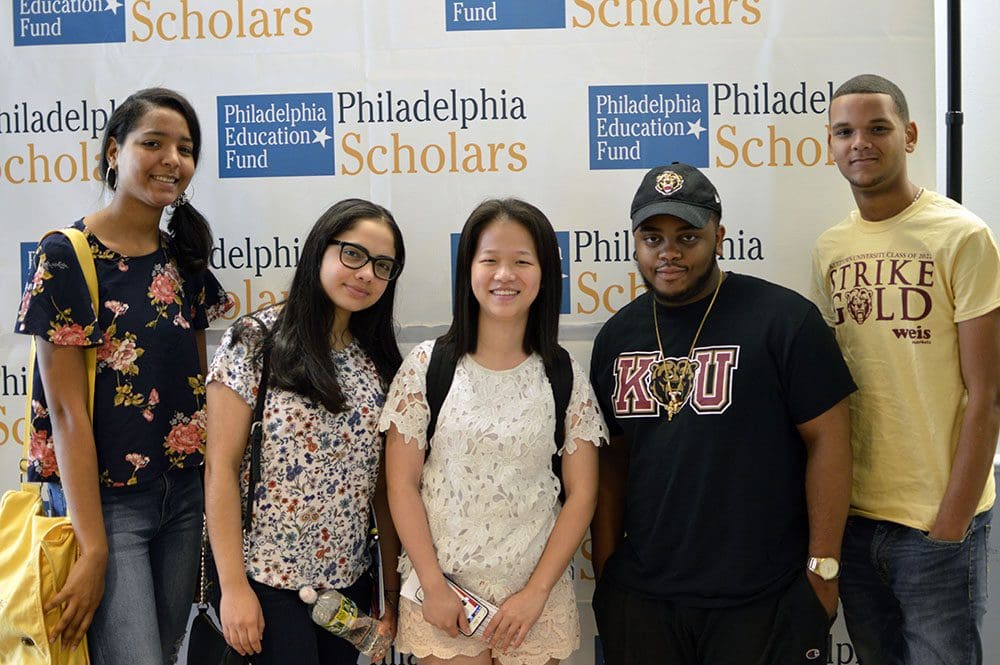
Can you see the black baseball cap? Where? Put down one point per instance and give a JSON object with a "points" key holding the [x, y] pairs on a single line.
{"points": [[679, 190]]}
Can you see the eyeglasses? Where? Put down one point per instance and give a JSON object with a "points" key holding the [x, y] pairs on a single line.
{"points": [[356, 256]]}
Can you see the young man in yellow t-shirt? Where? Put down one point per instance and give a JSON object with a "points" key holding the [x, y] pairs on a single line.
{"points": [[910, 282]]}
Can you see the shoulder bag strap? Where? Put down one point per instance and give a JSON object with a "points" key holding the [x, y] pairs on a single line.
{"points": [[86, 261], [257, 432]]}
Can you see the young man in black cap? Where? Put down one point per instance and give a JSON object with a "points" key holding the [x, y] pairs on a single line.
{"points": [[725, 489]]}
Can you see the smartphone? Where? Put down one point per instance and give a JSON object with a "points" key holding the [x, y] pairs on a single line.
{"points": [[477, 610]]}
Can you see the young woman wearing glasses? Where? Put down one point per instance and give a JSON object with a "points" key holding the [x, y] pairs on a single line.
{"points": [[332, 352]]}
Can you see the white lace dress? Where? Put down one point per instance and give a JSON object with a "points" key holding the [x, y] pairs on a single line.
{"points": [[489, 491]]}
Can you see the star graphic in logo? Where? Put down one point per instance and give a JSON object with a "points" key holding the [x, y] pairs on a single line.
{"points": [[321, 137], [696, 128], [112, 6]]}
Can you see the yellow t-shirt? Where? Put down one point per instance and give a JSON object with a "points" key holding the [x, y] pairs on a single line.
{"points": [[894, 292]]}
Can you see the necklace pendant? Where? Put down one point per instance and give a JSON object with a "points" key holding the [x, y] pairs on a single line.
{"points": [[673, 407], [670, 383]]}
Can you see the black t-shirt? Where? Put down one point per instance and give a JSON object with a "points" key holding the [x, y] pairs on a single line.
{"points": [[715, 509]]}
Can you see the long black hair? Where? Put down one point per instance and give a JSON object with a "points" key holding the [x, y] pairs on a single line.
{"points": [[299, 340], [190, 234], [542, 332]]}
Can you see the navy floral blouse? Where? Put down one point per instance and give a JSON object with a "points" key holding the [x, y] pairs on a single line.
{"points": [[149, 395]]}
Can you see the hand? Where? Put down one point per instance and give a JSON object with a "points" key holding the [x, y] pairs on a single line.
{"points": [[828, 592], [386, 626], [443, 609], [949, 533], [79, 598], [516, 617], [242, 619]]}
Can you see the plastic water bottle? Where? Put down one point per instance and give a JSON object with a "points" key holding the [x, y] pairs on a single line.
{"points": [[339, 615]]}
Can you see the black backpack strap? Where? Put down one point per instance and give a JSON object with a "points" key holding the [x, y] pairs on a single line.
{"points": [[560, 376], [440, 372]]}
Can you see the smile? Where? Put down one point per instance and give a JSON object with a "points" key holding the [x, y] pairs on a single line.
{"points": [[355, 291], [172, 180]]}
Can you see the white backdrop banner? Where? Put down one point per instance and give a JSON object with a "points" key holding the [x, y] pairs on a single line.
{"points": [[428, 107]]}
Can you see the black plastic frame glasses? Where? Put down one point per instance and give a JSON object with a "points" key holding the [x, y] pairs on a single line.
{"points": [[355, 256]]}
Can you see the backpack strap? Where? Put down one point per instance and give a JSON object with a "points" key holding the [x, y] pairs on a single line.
{"points": [[560, 376], [440, 372], [81, 247]]}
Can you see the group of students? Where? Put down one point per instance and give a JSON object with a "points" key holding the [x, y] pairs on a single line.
{"points": [[480, 506], [729, 466]]}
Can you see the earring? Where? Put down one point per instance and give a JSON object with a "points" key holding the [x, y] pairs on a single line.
{"points": [[110, 177], [184, 197]]}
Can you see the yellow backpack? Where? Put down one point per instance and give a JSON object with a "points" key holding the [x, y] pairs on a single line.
{"points": [[37, 551]]}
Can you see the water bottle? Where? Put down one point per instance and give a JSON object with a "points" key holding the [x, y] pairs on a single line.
{"points": [[339, 615]]}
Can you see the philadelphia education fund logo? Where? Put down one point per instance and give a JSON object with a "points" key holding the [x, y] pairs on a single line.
{"points": [[275, 135], [503, 14], [562, 237], [642, 126], [49, 22]]}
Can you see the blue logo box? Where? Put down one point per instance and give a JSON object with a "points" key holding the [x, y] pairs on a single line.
{"points": [[27, 261], [504, 14], [43, 22], [562, 237], [276, 135], [642, 126]]}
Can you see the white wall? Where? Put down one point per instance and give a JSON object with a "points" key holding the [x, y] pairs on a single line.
{"points": [[981, 182], [980, 103]]}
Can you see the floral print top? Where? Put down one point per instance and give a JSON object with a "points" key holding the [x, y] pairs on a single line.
{"points": [[318, 469], [149, 394]]}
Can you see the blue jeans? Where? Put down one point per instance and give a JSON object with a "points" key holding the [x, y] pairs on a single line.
{"points": [[154, 542], [910, 600]]}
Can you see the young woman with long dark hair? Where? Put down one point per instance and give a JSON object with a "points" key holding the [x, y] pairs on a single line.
{"points": [[130, 479], [332, 352], [483, 506]]}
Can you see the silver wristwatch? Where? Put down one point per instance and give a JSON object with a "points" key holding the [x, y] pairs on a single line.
{"points": [[825, 566]]}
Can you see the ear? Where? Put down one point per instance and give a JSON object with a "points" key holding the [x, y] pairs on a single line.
{"points": [[720, 233], [911, 136], [112, 153]]}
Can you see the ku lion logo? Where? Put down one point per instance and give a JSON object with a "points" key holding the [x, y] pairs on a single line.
{"points": [[670, 382], [669, 183], [859, 304]]}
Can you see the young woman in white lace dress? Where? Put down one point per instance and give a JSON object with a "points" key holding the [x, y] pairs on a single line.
{"points": [[483, 505]]}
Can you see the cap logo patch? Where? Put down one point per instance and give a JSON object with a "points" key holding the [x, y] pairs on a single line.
{"points": [[669, 183]]}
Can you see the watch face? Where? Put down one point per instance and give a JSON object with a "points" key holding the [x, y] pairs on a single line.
{"points": [[827, 568]]}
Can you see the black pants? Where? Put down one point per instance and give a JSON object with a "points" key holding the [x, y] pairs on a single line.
{"points": [[785, 628], [290, 636]]}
